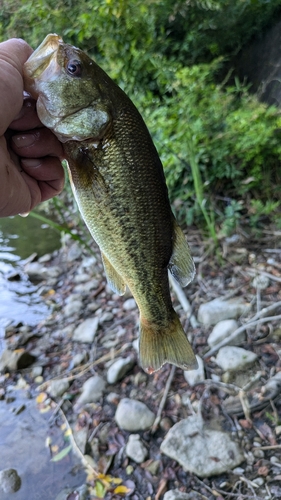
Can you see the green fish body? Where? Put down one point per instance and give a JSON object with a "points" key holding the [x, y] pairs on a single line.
{"points": [[118, 182]]}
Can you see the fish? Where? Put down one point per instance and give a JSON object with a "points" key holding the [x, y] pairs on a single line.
{"points": [[118, 182]]}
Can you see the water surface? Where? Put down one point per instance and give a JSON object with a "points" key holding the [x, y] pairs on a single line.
{"points": [[19, 238], [24, 446]]}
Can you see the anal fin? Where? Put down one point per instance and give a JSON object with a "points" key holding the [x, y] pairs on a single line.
{"points": [[114, 279], [181, 264]]}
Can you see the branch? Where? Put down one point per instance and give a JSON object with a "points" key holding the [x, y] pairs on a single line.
{"points": [[233, 336], [183, 301]]}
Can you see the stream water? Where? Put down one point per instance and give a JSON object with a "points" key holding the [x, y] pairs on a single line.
{"points": [[20, 433], [19, 238]]}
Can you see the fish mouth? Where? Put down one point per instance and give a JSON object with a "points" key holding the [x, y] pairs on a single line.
{"points": [[40, 62]]}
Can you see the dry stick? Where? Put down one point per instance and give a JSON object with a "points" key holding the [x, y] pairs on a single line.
{"points": [[183, 301], [270, 447], [254, 271], [233, 336], [266, 310], [75, 446], [163, 400], [84, 368]]}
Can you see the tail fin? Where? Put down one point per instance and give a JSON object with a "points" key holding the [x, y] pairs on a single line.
{"points": [[168, 345]]}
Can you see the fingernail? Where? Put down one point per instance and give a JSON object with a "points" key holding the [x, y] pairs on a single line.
{"points": [[24, 140], [31, 162]]}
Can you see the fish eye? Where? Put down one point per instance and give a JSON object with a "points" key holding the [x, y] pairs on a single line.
{"points": [[74, 68]]}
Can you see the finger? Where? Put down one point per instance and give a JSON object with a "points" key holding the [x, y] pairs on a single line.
{"points": [[47, 172], [27, 118], [37, 143], [13, 54]]}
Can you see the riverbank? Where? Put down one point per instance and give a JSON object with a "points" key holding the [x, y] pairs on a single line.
{"points": [[80, 365]]}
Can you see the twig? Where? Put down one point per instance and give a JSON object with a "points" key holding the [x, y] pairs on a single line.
{"points": [[95, 431], [266, 310], [183, 301], [270, 447], [163, 400], [205, 486], [275, 412], [84, 368], [242, 328], [254, 271], [229, 388], [238, 495], [75, 446], [258, 298]]}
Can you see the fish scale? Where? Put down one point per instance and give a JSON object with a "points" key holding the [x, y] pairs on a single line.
{"points": [[118, 181]]}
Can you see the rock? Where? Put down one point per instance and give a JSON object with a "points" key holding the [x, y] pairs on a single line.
{"points": [[92, 391], [10, 481], [86, 331], [88, 262], [103, 434], [234, 358], [39, 272], [217, 310], [15, 360], [118, 369], [58, 387], [132, 415], [80, 437], [74, 252], [13, 276], [222, 330], [106, 316], [136, 345], [113, 398], [201, 450], [81, 278], [278, 430], [85, 288], [73, 306], [153, 466], [45, 258], [36, 371], [179, 495], [78, 358], [194, 376], [258, 453], [259, 481], [135, 449], [129, 305]]}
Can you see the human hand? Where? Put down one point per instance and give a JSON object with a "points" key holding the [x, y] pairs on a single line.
{"points": [[30, 154]]}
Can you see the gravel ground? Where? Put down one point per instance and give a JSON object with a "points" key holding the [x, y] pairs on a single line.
{"points": [[90, 330]]}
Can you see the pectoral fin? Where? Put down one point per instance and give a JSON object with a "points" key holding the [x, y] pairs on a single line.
{"points": [[114, 279], [181, 264]]}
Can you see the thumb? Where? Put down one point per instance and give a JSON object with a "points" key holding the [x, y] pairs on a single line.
{"points": [[13, 54]]}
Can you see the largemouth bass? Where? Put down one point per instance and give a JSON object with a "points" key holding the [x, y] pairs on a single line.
{"points": [[118, 181]]}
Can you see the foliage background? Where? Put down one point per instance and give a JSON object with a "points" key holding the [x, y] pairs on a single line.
{"points": [[220, 147]]}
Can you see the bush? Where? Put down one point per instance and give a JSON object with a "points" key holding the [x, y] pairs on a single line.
{"points": [[220, 146]]}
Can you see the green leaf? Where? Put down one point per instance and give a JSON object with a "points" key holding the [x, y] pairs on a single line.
{"points": [[62, 454], [99, 489]]}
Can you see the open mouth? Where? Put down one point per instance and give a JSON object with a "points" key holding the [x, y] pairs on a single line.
{"points": [[41, 57]]}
